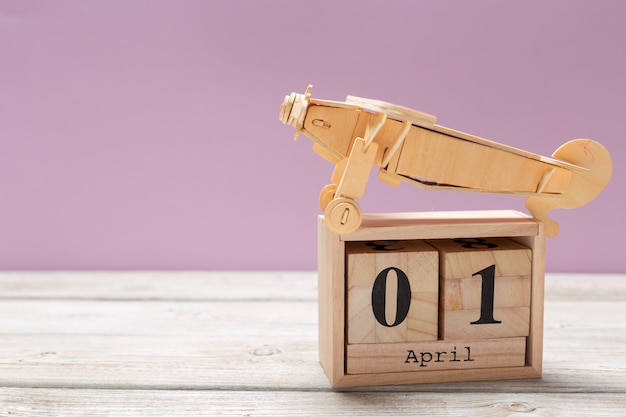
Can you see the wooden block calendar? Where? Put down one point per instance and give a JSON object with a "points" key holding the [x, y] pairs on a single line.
{"points": [[432, 297]]}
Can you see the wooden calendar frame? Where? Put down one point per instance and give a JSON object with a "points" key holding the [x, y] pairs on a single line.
{"points": [[416, 226]]}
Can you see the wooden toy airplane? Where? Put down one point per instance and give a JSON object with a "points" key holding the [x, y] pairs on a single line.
{"points": [[408, 146]]}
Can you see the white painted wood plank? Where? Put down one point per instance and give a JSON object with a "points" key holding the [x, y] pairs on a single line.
{"points": [[232, 285], [271, 363], [197, 343], [161, 318], [254, 345], [158, 285], [585, 287], [87, 402], [157, 362], [223, 318]]}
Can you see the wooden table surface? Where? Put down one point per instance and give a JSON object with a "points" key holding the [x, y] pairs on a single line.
{"points": [[245, 344]]}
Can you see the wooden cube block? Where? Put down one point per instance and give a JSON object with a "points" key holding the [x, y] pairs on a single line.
{"points": [[485, 288], [392, 291]]}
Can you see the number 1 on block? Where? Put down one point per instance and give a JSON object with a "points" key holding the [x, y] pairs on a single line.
{"points": [[485, 288]]}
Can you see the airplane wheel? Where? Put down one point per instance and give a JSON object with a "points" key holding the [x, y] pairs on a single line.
{"points": [[343, 215], [327, 194]]}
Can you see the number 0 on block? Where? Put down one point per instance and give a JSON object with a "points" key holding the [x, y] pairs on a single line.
{"points": [[393, 291]]}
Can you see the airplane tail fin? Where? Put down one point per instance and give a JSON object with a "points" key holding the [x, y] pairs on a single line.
{"points": [[584, 185]]}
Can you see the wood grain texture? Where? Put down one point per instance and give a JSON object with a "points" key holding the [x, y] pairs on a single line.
{"points": [[331, 314], [82, 402], [239, 343], [419, 262], [525, 320], [442, 225], [461, 263], [444, 159], [435, 355]]}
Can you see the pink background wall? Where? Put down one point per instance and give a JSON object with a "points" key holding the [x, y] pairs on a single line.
{"points": [[145, 134]]}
